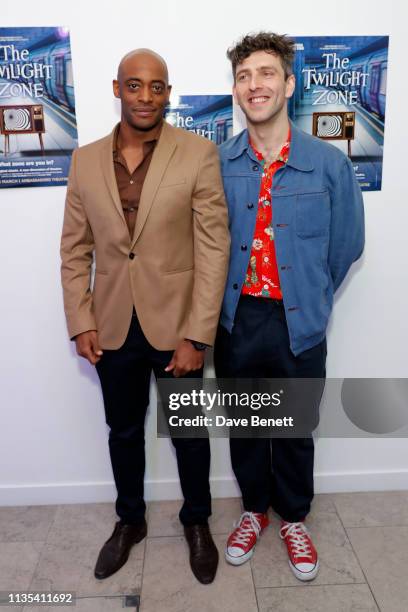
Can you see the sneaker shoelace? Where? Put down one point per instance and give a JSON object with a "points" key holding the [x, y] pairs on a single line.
{"points": [[298, 537], [247, 525]]}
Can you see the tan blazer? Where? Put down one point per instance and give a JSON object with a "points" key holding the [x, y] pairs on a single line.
{"points": [[174, 268]]}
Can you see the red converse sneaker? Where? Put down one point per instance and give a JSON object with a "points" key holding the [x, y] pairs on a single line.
{"points": [[241, 542], [303, 559]]}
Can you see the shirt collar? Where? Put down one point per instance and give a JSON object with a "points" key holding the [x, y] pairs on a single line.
{"points": [[116, 150], [283, 153], [299, 157]]}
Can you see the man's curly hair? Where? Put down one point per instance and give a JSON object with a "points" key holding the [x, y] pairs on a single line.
{"points": [[280, 45]]}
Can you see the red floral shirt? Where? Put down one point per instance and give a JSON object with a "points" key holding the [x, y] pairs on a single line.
{"points": [[262, 278]]}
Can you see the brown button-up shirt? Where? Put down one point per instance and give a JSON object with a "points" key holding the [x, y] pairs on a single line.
{"points": [[130, 185]]}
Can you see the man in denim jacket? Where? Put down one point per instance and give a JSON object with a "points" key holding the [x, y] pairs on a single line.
{"points": [[297, 225]]}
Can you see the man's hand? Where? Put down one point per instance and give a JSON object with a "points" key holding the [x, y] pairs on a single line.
{"points": [[87, 346], [185, 359]]}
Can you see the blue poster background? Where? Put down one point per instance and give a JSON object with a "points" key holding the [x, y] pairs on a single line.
{"points": [[345, 73], [207, 116], [36, 70]]}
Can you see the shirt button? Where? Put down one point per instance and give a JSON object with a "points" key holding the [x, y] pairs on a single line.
{"points": [[131, 255], [250, 205], [235, 286], [131, 182], [243, 247]]}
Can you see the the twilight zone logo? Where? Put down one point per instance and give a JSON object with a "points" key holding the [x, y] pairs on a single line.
{"points": [[17, 119]]}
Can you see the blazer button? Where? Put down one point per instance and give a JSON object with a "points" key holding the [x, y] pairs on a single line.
{"points": [[243, 247], [235, 286], [250, 205], [131, 255]]}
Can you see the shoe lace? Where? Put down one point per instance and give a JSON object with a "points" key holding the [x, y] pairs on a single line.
{"points": [[298, 537], [245, 527]]}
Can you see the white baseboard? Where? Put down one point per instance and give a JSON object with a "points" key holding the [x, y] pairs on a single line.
{"points": [[351, 482], [155, 490]]}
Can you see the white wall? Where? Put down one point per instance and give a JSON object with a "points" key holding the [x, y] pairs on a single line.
{"points": [[54, 440]]}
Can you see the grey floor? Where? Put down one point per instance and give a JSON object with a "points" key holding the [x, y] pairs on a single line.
{"points": [[362, 539]]}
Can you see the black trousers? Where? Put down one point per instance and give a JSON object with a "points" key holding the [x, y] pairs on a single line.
{"points": [[278, 473], [125, 379]]}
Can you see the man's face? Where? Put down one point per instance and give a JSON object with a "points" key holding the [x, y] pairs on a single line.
{"points": [[143, 90], [260, 87]]}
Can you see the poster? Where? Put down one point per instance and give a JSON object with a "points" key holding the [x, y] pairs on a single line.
{"points": [[340, 96], [207, 116], [38, 129]]}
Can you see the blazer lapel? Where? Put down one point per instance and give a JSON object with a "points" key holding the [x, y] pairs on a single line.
{"points": [[109, 172], [160, 159]]}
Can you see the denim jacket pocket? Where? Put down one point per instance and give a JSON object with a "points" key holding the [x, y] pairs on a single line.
{"points": [[312, 214]]}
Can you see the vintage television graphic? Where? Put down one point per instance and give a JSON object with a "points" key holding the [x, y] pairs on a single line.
{"points": [[335, 126], [22, 119]]}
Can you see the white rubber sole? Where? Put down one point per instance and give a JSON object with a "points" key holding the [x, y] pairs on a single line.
{"points": [[239, 560], [305, 576]]}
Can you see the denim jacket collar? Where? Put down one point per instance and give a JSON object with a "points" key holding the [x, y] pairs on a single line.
{"points": [[299, 157]]}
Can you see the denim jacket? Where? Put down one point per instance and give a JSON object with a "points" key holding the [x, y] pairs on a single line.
{"points": [[318, 224]]}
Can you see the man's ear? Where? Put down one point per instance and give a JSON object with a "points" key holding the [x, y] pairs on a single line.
{"points": [[116, 88], [290, 86]]}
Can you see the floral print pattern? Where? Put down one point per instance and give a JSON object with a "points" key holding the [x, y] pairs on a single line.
{"points": [[262, 278]]}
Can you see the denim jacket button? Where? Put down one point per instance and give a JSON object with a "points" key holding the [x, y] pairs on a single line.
{"points": [[250, 205], [255, 168], [235, 286]]}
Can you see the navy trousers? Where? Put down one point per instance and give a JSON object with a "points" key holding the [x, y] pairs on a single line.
{"points": [[125, 380], [276, 473]]}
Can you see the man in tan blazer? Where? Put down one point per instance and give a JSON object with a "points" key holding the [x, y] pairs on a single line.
{"points": [[147, 204]]}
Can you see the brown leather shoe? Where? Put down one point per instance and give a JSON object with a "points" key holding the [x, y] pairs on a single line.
{"points": [[115, 552], [203, 552]]}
